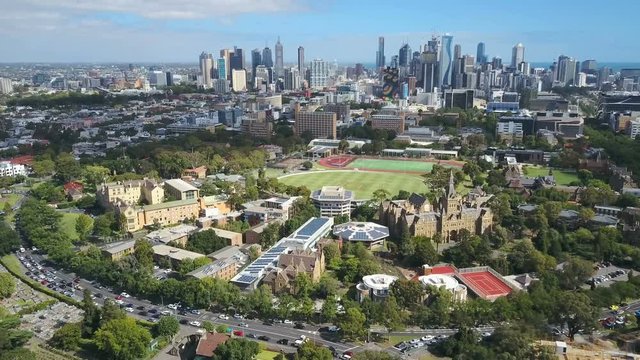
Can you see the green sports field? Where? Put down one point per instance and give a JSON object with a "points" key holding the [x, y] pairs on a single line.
{"points": [[395, 165], [562, 177], [363, 183]]}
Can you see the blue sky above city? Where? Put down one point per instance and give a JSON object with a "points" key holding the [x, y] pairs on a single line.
{"points": [[346, 31]]}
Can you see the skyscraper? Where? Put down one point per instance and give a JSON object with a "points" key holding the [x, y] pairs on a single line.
{"points": [[517, 55], [380, 60], [267, 58], [567, 69], [279, 65], [429, 74], [445, 60], [206, 66], [236, 62], [300, 60], [256, 59], [319, 74], [222, 69], [404, 56], [480, 55], [457, 51], [226, 55]]}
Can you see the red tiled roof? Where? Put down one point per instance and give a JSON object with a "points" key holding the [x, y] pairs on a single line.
{"points": [[209, 343], [73, 185], [24, 160]]}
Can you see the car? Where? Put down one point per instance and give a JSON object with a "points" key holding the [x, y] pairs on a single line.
{"points": [[153, 311], [238, 333], [99, 295], [298, 343], [238, 316], [195, 323], [173, 306], [350, 353], [419, 344], [153, 320], [28, 273], [184, 321], [166, 312], [128, 309], [22, 249], [195, 312], [400, 346], [414, 341], [140, 307], [333, 329], [333, 350], [485, 334], [427, 338], [143, 313], [130, 305], [243, 325], [252, 336], [33, 248], [183, 313], [124, 294], [223, 317], [264, 338], [299, 325], [287, 321], [283, 342], [119, 297]]}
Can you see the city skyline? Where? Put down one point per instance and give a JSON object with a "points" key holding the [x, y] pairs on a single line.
{"points": [[37, 31]]}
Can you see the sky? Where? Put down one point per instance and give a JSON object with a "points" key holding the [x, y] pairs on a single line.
{"points": [[159, 31]]}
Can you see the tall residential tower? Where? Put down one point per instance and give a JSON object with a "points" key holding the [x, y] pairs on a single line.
{"points": [[279, 65], [380, 60], [445, 60], [301, 68]]}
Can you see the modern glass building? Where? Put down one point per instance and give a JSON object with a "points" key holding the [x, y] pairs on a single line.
{"points": [[445, 60]]}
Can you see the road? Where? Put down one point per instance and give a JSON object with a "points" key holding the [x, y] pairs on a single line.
{"points": [[274, 332]]}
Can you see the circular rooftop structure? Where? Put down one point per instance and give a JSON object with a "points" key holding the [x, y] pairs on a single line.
{"points": [[439, 281], [361, 231], [378, 282]]}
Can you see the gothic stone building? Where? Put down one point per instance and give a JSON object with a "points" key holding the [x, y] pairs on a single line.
{"points": [[447, 216]]}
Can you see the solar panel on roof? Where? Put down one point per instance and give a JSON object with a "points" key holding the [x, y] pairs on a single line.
{"points": [[313, 226], [246, 279]]}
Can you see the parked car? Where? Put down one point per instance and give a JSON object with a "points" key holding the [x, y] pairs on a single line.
{"points": [[283, 342], [238, 333], [195, 323], [264, 338]]}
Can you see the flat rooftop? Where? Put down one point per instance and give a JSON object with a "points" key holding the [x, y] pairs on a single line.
{"points": [[180, 185]]}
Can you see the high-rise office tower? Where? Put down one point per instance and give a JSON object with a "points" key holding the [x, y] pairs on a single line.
{"points": [[237, 59], [267, 58], [279, 65], [256, 59], [589, 67], [226, 55], [496, 63], [445, 60], [222, 69], [480, 55], [300, 60], [206, 66], [567, 68], [319, 74], [239, 79], [169, 78], [429, 75], [517, 55], [380, 60], [433, 45], [457, 51], [394, 62], [292, 79], [404, 55]]}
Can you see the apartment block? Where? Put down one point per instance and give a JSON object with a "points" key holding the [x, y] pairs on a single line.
{"points": [[319, 124], [181, 190], [388, 122], [130, 193]]}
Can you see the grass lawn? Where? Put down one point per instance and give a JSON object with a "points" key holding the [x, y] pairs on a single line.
{"points": [[563, 177], [398, 165], [363, 183], [266, 355], [12, 199], [68, 225]]}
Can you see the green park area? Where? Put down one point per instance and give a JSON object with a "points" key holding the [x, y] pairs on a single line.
{"points": [[362, 182], [68, 225], [394, 165], [266, 355], [563, 177]]}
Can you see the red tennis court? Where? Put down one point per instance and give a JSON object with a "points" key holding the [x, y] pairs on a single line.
{"points": [[485, 284], [336, 161]]}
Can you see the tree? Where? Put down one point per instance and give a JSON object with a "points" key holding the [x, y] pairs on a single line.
{"points": [[95, 175], [380, 195], [7, 285], [307, 165], [67, 168], [123, 339], [43, 168], [353, 324], [92, 314], [17, 354], [208, 326], [236, 349], [111, 311], [331, 253], [576, 311], [167, 326], [329, 309], [574, 272], [311, 351], [407, 293], [68, 337], [424, 252], [84, 226], [9, 239], [143, 252], [205, 242], [105, 224]]}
